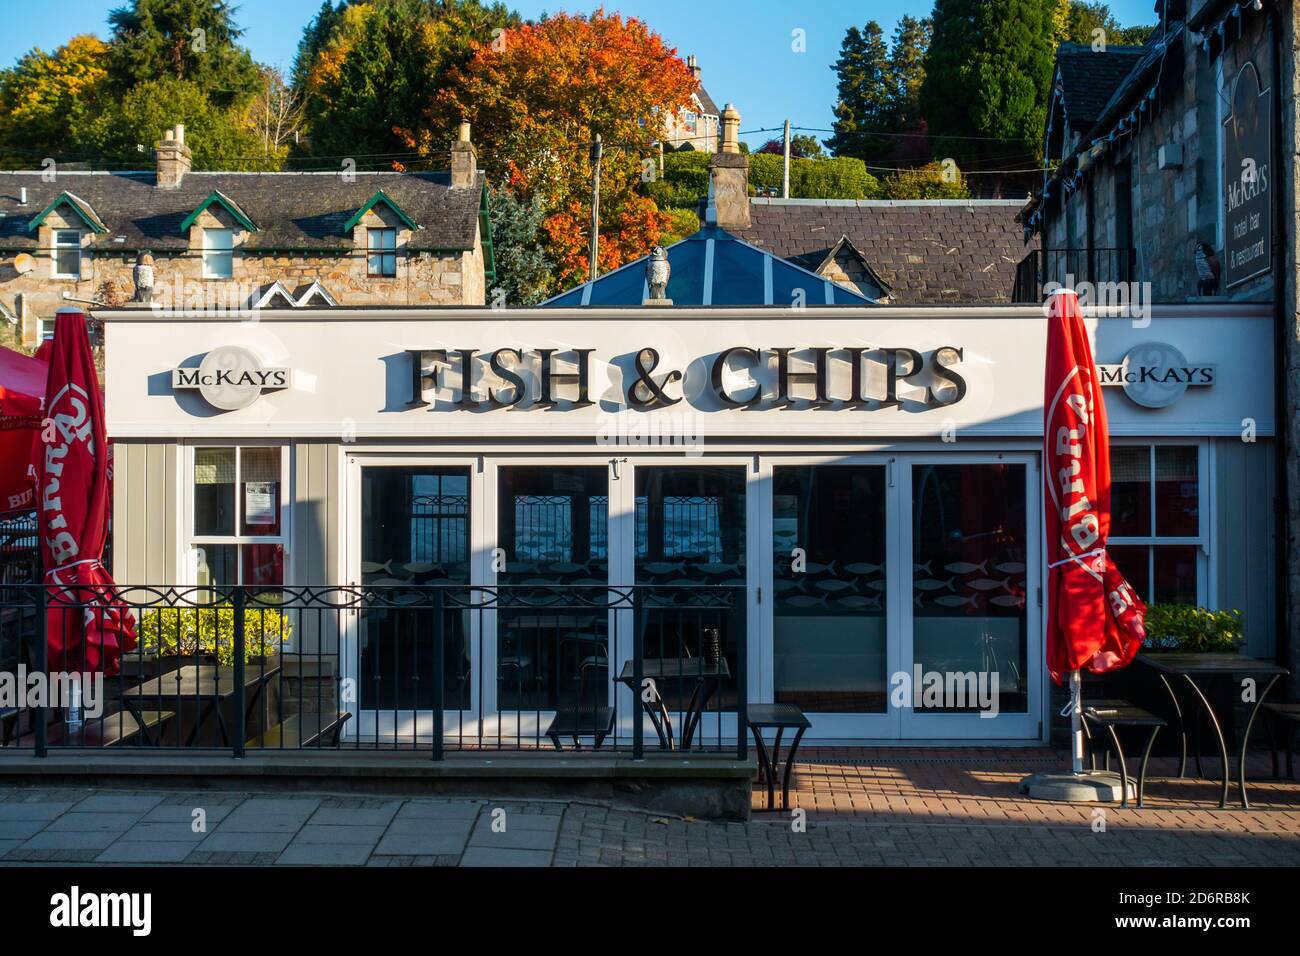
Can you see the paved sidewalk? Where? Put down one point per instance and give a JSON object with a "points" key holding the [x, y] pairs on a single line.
{"points": [[896, 808]]}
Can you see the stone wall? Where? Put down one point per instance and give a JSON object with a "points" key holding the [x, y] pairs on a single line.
{"points": [[423, 278], [1174, 208]]}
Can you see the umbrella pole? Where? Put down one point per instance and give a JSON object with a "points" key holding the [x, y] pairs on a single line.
{"points": [[1078, 785], [1076, 721]]}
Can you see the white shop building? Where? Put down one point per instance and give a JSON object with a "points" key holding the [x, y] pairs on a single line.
{"points": [[869, 475]]}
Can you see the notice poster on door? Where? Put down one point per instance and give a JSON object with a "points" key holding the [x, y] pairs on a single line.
{"points": [[259, 503]]}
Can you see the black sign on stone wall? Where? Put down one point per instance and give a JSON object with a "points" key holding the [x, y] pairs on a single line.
{"points": [[1248, 180]]}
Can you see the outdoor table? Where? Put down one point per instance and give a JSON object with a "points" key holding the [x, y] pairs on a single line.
{"points": [[1192, 667], [707, 678], [205, 684]]}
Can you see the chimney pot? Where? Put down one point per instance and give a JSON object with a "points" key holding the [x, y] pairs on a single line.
{"points": [[22, 196], [464, 158], [729, 177], [173, 158]]}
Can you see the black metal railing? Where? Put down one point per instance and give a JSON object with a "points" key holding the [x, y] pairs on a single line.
{"points": [[1069, 267], [429, 668]]}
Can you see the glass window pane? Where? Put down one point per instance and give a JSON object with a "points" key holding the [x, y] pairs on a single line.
{"points": [[690, 533], [414, 530], [553, 649], [737, 274], [214, 491], [263, 565], [829, 614], [217, 564], [259, 476], [1132, 561], [1130, 491], [1175, 573], [969, 580], [1177, 491]]}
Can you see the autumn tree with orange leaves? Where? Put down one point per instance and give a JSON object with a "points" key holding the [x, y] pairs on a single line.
{"points": [[537, 94]]}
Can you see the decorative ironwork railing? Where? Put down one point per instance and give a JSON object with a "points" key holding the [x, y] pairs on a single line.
{"points": [[431, 668]]}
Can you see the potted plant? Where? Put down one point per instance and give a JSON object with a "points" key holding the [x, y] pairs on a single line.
{"points": [[1188, 629], [210, 632]]}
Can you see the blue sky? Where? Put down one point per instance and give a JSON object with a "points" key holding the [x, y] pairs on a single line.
{"points": [[744, 46]]}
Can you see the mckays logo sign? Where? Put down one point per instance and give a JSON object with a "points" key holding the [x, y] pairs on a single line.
{"points": [[230, 377]]}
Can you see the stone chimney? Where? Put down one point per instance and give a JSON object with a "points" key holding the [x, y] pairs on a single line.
{"points": [[464, 159], [729, 177], [173, 158], [693, 65]]}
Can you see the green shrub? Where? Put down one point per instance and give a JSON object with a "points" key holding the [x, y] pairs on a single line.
{"points": [[172, 632], [1185, 628], [839, 178], [684, 222], [925, 182], [684, 183]]}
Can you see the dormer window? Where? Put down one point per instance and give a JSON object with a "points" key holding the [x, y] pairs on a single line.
{"points": [[218, 254], [382, 252], [65, 255]]}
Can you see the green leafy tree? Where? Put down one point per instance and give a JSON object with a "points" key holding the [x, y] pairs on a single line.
{"points": [[802, 145], [926, 182], [840, 178], [907, 72], [862, 109], [44, 97], [375, 66], [1078, 22], [314, 37], [987, 74], [685, 181], [193, 40], [220, 137], [523, 270]]}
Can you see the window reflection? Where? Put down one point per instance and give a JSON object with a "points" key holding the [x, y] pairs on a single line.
{"points": [[969, 575], [829, 639], [414, 531], [690, 533], [552, 628]]}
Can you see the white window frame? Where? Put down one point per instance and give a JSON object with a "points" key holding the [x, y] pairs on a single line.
{"points": [[193, 541], [225, 253], [58, 242], [1205, 498]]}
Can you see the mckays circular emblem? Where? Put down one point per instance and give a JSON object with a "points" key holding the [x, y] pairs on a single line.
{"points": [[230, 378]]}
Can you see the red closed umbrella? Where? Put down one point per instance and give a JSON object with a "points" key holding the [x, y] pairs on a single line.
{"points": [[1095, 619], [22, 394], [73, 503]]}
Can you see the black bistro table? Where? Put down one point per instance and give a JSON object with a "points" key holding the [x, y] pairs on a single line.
{"points": [[708, 677], [206, 685], [1188, 669]]}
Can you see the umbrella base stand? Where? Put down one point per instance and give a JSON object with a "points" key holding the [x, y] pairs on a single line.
{"points": [[1094, 786]]}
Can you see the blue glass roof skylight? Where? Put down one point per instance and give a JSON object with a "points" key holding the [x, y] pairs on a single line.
{"points": [[713, 267]]}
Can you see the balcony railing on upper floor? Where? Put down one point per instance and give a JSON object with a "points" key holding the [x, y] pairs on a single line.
{"points": [[1070, 267]]}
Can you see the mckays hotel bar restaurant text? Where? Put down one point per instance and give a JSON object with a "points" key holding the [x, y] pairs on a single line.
{"points": [[867, 476]]}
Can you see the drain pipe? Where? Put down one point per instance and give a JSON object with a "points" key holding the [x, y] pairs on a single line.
{"points": [[1284, 336]]}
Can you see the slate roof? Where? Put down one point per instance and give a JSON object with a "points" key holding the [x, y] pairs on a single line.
{"points": [[930, 252], [291, 210], [1087, 79], [709, 107]]}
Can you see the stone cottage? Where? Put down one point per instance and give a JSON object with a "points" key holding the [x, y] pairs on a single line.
{"points": [[230, 241]]}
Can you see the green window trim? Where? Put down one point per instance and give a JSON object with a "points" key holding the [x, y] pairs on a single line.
{"points": [[226, 203], [82, 208], [387, 200]]}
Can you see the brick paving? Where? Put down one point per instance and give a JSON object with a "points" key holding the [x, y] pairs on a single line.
{"points": [[895, 807]]}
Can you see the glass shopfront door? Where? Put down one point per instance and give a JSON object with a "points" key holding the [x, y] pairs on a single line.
{"points": [[904, 596], [889, 596]]}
